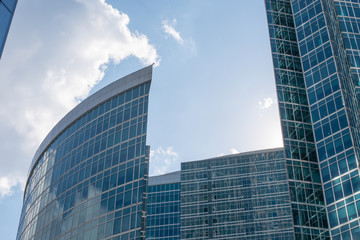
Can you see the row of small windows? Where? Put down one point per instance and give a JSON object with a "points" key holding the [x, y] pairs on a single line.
{"points": [[311, 233], [287, 62], [285, 47], [316, 57], [318, 39], [350, 25], [163, 187], [338, 165], [323, 89], [304, 5], [344, 211], [163, 197], [320, 72], [304, 31], [334, 145], [352, 41], [342, 188], [309, 215], [164, 207], [294, 112], [292, 95], [164, 220], [304, 171], [348, 9], [354, 58], [301, 192], [279, 18], [291, 79], [300, 150], [163, 233], [330, 125], [282, 33], [279, 6], [297, 131]]}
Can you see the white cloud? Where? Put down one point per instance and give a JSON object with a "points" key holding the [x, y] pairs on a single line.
{"points": [[170, 30], [8, 183], [234, 151], [163, 161], [266, 103], [55, 53]]}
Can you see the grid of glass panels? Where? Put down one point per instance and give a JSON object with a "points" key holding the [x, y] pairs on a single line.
{"points": [[7, 9], [91, 180], [242, 196], [308, 207], [163, 212], [349, 18], [334, 109]]}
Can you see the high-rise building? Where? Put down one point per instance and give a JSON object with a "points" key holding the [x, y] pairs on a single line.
{"points": [[240, 196], [7, 9], [316, 62], [163, 207], [89, 176]]}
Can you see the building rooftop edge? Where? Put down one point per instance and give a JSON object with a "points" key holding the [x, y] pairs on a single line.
{"points": [[240, 154], [173, 177], [129, 81]]}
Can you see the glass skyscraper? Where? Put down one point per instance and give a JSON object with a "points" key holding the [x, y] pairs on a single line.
{"points": [[240, 196], [163, 207], [316, 62], [7, 9], [89, 176]]}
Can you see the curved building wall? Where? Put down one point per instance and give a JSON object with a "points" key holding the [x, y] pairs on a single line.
{"points": [[88, 178]]}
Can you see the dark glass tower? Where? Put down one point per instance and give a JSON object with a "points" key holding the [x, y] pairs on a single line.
{"points": [[89, 176], [315, 55], [7, 9]]}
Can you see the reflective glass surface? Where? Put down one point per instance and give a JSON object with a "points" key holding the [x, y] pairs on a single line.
{"points": [[163, 212], [242, 196], [325, 33], [90, 181]]}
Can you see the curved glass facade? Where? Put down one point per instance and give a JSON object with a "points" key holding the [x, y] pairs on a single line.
{"points": [[88, 178]]}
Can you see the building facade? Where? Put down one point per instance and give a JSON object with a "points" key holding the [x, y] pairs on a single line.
{"points": [[7, 9], [163, 207], [240, 196], [88, 179], [316, 56]]}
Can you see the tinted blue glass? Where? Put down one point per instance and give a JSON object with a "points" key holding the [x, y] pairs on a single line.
{"points": [[84, 179]]}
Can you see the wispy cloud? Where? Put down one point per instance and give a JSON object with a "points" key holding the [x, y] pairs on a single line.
{"points": [[266, 103], [170, 30], [163, 161], [48, 67]]}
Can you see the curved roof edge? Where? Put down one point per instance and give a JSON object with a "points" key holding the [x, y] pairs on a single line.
{"points": [[136, 78]]}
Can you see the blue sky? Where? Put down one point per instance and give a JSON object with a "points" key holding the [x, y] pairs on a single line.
{"points": [[213, 90]]}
